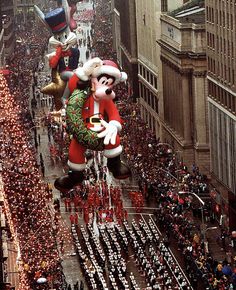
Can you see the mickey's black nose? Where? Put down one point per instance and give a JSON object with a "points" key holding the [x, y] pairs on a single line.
{"points": [[108, 91]]}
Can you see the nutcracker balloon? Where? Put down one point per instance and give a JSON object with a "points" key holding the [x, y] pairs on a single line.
{"points": [[65, 57], [93, 120]]}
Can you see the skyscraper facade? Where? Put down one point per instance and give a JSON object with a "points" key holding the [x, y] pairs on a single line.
{"points": [[221, 78], [149, 64], [137, 29], [124, 16], [183, 55]]}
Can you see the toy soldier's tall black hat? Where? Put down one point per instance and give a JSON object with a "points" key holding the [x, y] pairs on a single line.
{"points": [[56, 20]]}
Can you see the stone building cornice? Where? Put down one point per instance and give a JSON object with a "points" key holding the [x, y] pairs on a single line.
{"points": [[180, 70], [200, 74], [181, 54], [182, 26], [184, 70]]}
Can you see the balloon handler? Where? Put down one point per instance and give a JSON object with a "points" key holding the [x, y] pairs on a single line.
{"points": [[93, 120]]}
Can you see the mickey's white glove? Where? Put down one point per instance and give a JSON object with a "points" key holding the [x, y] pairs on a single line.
{"points": [[83, 73], [63, 111], [91, 64], [110, 132]]}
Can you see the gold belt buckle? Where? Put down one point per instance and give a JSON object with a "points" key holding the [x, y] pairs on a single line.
{"points": [[95, 120]]}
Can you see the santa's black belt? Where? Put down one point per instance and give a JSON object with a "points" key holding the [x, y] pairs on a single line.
{"points": [[93, 120]]}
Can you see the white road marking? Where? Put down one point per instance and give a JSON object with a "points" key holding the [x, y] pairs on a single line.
{"points": [[172, 254], [156, 226], [180, 267]]}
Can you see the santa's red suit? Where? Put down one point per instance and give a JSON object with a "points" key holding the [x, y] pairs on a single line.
{"points": [[92, 113], [100, 115]]}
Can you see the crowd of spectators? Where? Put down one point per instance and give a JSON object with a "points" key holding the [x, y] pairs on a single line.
{"points": [[162, 176], [84, 15], [26, 195]]}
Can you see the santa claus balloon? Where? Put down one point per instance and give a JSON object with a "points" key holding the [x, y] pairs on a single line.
{"points": [[93, 120]]}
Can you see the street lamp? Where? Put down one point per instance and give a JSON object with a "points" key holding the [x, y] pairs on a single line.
{"points": [[202, 213], [204, 228], [194, 194], [206, 242]]}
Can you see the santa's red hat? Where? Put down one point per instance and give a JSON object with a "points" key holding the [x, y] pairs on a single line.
{"points": [[110, 68]]}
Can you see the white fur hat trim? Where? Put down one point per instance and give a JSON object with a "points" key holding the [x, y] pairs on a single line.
{"points": [[107, 69]]}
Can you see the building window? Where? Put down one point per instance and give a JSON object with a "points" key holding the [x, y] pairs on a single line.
{"points": [[156, 105], [164, 5], [144, 19], [152, 100], [144, 73], [148, 76], [155, 83], [146, 95], [151, 79], [140, 69]]}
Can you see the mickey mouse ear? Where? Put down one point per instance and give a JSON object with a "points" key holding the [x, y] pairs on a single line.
{"points": [[123, 76]]}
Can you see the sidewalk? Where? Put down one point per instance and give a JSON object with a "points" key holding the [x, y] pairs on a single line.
{"points": [[216, 247], [12, 271], [212, 235], [70, 263]]}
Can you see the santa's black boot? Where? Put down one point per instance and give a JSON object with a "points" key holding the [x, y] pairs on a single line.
{"points": [[118, 168], [67, 182]]}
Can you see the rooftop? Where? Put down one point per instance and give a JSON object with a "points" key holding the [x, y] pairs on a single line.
{"points": [[191, 12]]}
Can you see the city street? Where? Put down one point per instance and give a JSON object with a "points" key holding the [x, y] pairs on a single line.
{"points": [[54, 169], [66, 223]]}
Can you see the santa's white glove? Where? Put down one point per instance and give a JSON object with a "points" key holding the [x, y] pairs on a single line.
{"points": [[91, 64], [110, 132], [84, 72], [63, 111]]}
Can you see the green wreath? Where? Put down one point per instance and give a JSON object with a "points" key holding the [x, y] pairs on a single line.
{"points": [[75, 123]]}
